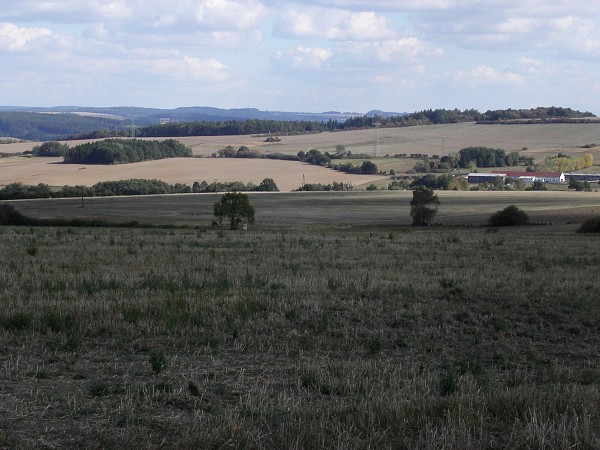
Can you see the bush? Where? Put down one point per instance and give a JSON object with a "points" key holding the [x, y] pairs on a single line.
{"points": [[509, 216], [590, 226], [369, 167]]}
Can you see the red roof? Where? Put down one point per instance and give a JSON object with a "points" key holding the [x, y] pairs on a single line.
{"points": [[530, 174]]}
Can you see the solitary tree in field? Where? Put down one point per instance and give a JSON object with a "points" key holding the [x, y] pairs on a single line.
{"points": [[236, 207], [423, 206], [509, 216]]}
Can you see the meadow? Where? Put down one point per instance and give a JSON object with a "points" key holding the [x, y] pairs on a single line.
{"points": [[329, 324]]}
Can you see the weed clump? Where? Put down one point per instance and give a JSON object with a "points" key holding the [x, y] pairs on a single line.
{"points": [[158, 361], [16, 321], [509, 216]]}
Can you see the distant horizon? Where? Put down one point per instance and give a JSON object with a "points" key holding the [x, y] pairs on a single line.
{"points": [[325, 112]]}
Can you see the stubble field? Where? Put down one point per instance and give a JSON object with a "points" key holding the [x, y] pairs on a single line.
{"points": [[330, 324], [299, 335], [330, 209], [288, 175]]}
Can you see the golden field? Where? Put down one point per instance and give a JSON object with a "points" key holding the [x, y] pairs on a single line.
{"points": [[431, 139], [539, 140], [287, 174]]}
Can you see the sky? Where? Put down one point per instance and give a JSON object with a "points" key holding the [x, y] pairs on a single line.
{"points": [[311, 56]]}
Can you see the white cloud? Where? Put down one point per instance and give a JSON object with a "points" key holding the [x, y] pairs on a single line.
{"points": [[18, 39], [303, 59], [229, 14], [484, 76], [333, 24], [409, 48], [186, 68]]}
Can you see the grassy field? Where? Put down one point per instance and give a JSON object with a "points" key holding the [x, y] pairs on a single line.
{"points": [[331, 209], [328, 325], [432, 139]]}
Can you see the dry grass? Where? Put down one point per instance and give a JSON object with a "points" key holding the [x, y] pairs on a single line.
{"points": [[540, 140], [434, 139], [287, 174], [344, 209], [311, 337]]}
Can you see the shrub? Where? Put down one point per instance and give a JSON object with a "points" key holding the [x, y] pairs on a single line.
{"points": [[509, 216], [369, 167], [16, 321], [590, 226], [158, 361]]}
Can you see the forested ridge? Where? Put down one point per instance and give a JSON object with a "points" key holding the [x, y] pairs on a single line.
{"points": [[47, 127], [425, 117]]}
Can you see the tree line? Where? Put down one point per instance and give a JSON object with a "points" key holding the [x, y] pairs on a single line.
{"points": [[122, 151], [471, 158], [312, 156], [261, 126], [19, 191], [46, 127]]}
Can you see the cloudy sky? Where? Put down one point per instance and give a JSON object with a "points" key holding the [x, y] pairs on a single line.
{"points": [[315, 55]]}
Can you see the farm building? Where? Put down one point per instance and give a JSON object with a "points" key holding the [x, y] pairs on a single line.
{"points": [[530, 177], [590, 177], [485, 177]]}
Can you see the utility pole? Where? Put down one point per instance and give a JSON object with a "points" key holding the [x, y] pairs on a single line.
{"points": [[376, 125]]}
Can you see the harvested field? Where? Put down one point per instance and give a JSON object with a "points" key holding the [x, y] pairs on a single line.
{"points": [[430, 139], [287, 174], [333, 209], [540, 141], [305, 337]]}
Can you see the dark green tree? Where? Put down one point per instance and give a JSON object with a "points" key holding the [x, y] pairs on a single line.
{"points": [[509, 216], [268, 184], [51, 148], [537, 186], [576, 184], [424, 205], [369, 167], [236, 207]]}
